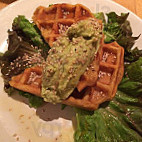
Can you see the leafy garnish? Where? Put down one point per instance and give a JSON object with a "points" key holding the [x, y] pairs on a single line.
{"points": [[132, 82], [28, 30], [11, 61], [134, 70], [120, 119], [34, 101], [133, 55], [130, 86], [109, 124], [63, 106], [100, 16], [118, 29], [22, 53], [115, 25]]}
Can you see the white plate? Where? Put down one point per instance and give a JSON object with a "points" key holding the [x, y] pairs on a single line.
{"points": [[18, 122]]}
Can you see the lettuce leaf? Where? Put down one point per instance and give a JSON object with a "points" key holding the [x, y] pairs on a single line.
{"points": [[132, 82], [118, 29], [130, 86], [100, 16], [107, 125], [134, 70], [119, 120], [26, 29], [12, 62], [16, 48], [34, 101]]}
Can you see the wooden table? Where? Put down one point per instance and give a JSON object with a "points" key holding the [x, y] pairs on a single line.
{"points": [[133, 5]]}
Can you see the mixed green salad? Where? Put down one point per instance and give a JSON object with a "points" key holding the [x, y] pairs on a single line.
{"points": [[119, 120]]}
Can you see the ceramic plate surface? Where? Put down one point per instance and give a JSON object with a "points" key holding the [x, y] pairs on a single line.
{"points": [[19, 122]]}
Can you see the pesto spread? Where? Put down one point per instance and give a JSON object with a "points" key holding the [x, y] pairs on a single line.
{"points": [[68, 59]]}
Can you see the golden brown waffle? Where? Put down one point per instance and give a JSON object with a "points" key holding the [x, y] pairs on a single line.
{"points": [[90, 76], [111, 70], [28, 81], [55, 20]]}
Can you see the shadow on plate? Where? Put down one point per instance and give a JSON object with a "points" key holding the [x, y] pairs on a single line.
{"points": [[19, 98], [49, 112]]}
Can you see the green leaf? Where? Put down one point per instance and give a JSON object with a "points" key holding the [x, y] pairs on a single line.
{"points": [[113, 17], [131, 87], [63, 106], [29, 30], [34, 101], [103, 126], [134, 70], [133, 55], [128, 98], [100, 16], [16, 48], [118, 29]]}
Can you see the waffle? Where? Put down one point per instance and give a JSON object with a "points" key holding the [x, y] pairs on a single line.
{"points": [[90, 76], [111, 71], [110, 74], [28, 81], [55, 20]]}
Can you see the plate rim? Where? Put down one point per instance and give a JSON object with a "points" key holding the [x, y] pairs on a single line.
{"points": [[12, 5]]}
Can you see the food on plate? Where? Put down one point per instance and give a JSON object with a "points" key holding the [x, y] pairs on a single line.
{"points": [[28, 66], [77, 51], [68, 59], [28, 81], [110, 74], [54, 20], [111, 68]]}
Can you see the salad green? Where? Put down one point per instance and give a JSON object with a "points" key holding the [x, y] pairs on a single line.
{"points": [[28, 30], [24, 44], [120, 119], [117, 28], [116, 121]]}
